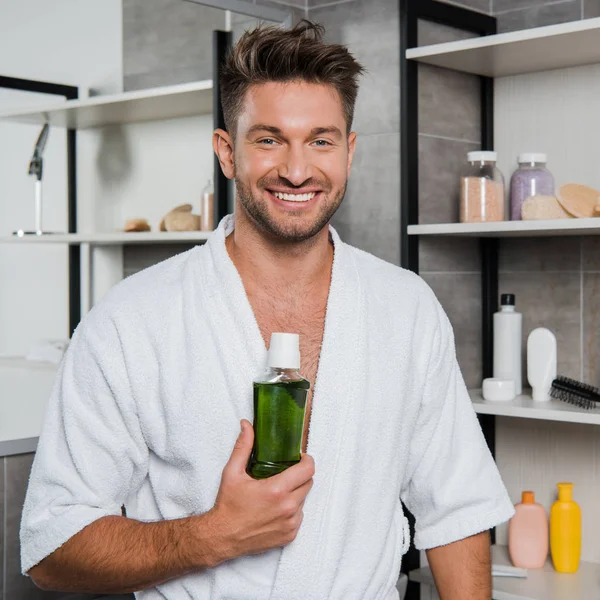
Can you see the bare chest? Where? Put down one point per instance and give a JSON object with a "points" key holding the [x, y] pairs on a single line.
{"points": [[309, 327]]}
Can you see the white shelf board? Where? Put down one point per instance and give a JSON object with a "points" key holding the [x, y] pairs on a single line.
{"points": [[169, 102], [558, 227], [112, 239], [540, 584], [539, 49], [524, 407], [25, 387]]}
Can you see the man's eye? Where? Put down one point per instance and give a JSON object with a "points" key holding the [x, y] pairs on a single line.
{"points": [[322, 143], [267, 141]]}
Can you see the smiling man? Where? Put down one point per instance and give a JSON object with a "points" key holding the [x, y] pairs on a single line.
{"points": [[135, 486]]}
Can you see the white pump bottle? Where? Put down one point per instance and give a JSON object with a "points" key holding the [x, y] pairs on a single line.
{"points": [[508, 328]]}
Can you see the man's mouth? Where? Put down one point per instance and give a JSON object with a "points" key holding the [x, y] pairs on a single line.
{"points": [[294, 197]]}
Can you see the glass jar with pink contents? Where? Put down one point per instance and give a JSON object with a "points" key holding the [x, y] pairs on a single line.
{"points": [[482, 189]]}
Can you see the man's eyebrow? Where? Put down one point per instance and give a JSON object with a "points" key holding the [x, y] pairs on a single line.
{"points": [[261, 127], [332, 129]]}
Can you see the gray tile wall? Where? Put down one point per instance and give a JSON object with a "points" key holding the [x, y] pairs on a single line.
{"points": [[524, 14], [544, 274], [167, 42], [369, 217], [449, 127]]}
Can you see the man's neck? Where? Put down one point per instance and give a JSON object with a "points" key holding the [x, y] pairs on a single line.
{"points": [[267, 264]]}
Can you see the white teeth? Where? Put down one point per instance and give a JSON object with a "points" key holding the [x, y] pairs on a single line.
{"points": [[295, 197]]}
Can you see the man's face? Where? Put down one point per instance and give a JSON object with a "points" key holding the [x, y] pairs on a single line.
{"points": [[292, 157]]}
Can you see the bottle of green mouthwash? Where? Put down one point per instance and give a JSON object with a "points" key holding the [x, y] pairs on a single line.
{"points": [[279, 409]]}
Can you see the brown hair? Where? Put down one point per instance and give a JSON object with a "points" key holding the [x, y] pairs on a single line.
{"points": [[270, 53]]}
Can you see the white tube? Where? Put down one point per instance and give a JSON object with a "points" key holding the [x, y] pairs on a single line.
{"points": [[541, 362]]}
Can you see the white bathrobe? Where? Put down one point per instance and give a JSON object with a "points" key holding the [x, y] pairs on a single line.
{"points": [[146, 409]]}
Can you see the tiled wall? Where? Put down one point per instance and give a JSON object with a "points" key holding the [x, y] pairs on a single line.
{"points": [[370, 214], [524, 14], [449, 127], [167, 42]]}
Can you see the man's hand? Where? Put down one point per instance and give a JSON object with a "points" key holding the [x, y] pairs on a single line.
{"points": [[252, 515], [115, 555], [463, 569]]}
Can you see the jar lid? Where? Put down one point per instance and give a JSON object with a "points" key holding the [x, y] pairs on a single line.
{"points": [[480, 156], [532, 157]]}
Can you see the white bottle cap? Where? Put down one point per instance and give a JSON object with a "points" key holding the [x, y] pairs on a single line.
{"points": [[480, 156], [284, 351], [532, 157]]}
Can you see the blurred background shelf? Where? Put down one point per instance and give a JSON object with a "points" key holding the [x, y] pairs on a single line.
{"points": [[112, 239], [540, 49], [525, 407], [511, 228], [168, 102]]}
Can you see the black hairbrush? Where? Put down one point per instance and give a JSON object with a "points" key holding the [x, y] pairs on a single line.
{"points": [[574, 392]]}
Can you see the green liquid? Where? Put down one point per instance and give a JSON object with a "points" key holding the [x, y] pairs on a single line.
{"points": [[279, 410]]}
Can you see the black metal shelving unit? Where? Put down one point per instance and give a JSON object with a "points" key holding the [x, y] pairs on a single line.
{"points": [[411, 12], [223, 190]]}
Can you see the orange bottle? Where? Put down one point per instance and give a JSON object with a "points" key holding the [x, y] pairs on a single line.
{"points": [[565, 530], [528, 534]]}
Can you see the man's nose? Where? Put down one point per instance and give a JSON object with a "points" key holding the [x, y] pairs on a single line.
{"points": [[296, 166]]}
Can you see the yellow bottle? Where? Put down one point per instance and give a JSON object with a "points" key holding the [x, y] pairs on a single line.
{"points": [[565, 531]]}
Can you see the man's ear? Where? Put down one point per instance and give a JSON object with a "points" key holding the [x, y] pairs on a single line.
{"points": [[223, 147], [351, 149]]}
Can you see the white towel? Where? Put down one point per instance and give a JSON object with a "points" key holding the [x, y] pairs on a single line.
{"points": [[147, 405]]}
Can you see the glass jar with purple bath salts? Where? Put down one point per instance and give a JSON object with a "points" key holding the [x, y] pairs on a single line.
{"points": [[530, 179]]}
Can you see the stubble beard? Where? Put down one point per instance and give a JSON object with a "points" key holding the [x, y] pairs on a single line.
{"points": [[294, 227]]}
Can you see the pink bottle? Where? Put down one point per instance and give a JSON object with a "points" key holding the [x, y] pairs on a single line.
{"points": [[528, 534]]}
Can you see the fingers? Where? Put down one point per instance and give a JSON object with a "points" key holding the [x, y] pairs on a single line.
{"points": [[300, 493], [297, 475], [243, 448]]}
